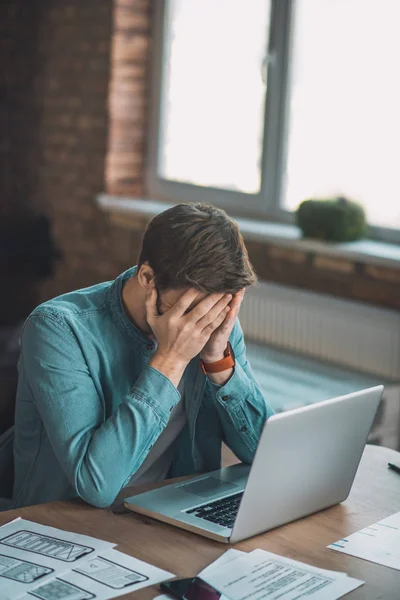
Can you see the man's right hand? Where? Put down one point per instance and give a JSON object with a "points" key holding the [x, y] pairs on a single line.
{"points": [[181, 335]]}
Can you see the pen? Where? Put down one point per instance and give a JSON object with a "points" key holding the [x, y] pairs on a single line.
{"points": [[394, 467]]}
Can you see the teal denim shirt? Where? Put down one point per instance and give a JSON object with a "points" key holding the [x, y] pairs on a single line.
{"points": [[89, 407]]}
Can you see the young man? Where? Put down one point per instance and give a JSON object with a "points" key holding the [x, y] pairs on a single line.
{"points": [[143, 377]]}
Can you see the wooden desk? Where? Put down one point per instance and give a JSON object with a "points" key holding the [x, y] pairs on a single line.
{"points": [[375, 495]]}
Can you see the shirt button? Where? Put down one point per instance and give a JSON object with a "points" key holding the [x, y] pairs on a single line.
{"points": [[225, 398], [244, 428], [150, 347]]}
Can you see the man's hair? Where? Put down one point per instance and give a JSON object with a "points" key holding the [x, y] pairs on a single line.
{"points": [[196, 245]]}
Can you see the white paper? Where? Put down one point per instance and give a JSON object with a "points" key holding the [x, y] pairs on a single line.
{"points": [[379, 543], [261, 574], [108, 575], [31, 554], [228, 557]]}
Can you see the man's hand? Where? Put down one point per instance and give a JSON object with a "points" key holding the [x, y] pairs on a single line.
{"points": [[181, 335], [216, 345]]}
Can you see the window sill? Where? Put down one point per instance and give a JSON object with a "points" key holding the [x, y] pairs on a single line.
{"points": [[134, 213]]}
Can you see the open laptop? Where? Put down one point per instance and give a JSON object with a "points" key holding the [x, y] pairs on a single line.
{"points": [[306, 461]]}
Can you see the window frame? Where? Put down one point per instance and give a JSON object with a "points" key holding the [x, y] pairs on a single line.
{"points": [[266, 204]]}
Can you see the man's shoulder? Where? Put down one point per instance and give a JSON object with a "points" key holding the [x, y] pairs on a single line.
{"points": [[68, 309], [76, 303]]}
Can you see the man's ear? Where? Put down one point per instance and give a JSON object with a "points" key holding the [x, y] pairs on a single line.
{"points": [[145, 276]]}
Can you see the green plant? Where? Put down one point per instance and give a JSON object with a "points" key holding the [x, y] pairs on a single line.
{"points": [[332, 219]]}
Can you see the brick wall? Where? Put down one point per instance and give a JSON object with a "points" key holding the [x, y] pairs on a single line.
{"points": [[74, 57], [128, 98], [54, 111]]}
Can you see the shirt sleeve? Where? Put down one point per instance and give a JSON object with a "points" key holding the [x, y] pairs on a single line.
{"points": [[97, 454], [240, 403]]}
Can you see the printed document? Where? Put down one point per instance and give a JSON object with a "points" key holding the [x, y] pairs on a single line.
{"points": [[260, 574], [378, 543], [105, 576], [32, 554]]}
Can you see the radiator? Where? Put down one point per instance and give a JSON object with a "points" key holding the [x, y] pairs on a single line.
{"points": [[342, 332]]}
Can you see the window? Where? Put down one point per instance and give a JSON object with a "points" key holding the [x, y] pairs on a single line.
{"points": [[344, 98], [259, 105], [213, 111]]}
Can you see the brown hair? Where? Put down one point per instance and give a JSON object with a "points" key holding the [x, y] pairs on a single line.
{"points": [[196, 245]]}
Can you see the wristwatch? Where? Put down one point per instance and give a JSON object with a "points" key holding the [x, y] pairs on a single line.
{"points": [[228, 362]]}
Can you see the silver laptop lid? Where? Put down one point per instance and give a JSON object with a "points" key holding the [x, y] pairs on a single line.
{"points": [[306, 460]]}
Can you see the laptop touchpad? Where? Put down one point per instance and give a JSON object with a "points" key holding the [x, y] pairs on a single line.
{"points": [[207, 486]]}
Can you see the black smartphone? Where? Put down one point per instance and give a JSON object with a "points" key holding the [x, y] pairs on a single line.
{"points": [[193, 588]]}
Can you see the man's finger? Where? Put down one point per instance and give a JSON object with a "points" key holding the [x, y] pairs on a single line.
{"points": [[227, 325], [184, 302], [228, 322], [236, 302], [240, 295], [151, 304], [206, 305], [214, 311], [218, 321]]}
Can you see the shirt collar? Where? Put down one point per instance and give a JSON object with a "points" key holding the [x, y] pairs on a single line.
{"points": [[118, 314]]}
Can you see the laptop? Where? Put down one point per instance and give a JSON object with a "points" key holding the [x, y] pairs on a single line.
{"points": [[306, 460]]}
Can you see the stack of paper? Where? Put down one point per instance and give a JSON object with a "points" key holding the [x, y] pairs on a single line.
{"points": [[378, 543], [47, 563], [261, 574]]}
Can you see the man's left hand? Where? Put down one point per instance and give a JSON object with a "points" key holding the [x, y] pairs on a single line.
{"points": [[215, 348]]}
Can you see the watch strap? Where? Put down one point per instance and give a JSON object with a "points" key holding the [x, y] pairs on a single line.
{"points": [[228, 362]]}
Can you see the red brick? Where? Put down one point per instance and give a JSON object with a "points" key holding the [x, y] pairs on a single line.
{"points": [[133, 88], [135, 5], [126, 20], [129, 72], [287, 254], [383, 273], [116, 173], [337, 265], [128, 48]]}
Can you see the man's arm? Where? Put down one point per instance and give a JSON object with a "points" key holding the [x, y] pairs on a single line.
{"points": [[240, 403], [98, 455]]}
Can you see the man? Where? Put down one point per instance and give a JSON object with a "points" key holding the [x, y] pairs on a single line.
{"points": [[143, 377]]}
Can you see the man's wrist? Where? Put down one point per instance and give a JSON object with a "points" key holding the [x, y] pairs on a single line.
{"points": [[169, 366], [211, 358], [214, 356], [221, 378]]}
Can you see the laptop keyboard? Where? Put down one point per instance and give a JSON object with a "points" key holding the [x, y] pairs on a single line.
{"points": [[222, 511]]}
